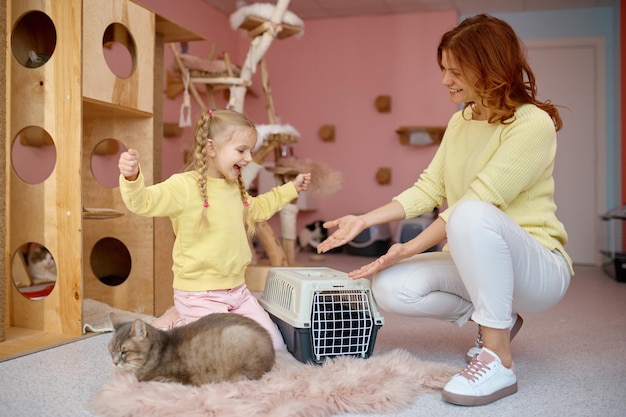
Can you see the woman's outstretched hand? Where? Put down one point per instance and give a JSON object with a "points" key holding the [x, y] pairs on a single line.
{"points": [[348, 227], [395, 254]]}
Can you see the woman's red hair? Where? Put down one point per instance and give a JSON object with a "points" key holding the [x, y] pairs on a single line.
{"points": [[489, 49]]}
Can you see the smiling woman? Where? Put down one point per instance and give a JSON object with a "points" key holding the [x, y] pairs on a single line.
{"points": [[504, 245]]}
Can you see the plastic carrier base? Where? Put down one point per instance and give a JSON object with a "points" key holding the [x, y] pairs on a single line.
{"points": [[322, 313]]}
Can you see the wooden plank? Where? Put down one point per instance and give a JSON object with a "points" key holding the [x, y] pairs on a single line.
{"points": [[163, 275], [50, 97], [99, 82], [172, 32], [63, 307], [256, 276], [22, 341], [4, 151], [134, 232]]}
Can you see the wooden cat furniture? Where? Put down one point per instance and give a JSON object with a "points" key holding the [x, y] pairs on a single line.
{"points": [[3, 131], [80, 103]]}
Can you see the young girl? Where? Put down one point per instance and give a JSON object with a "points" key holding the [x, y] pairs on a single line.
{"points": [[505, 245], [213, 218]]}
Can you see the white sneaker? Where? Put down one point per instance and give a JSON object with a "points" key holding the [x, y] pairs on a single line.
{"points": [[475, 350], [485, 380]]}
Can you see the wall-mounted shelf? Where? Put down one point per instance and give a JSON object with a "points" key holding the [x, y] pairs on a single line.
{"points": [[421, 135]]}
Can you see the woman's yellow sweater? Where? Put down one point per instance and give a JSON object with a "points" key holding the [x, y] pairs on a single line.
{"points": [[508, 165]]}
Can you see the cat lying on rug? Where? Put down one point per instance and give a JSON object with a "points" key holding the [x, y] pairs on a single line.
{"points": [[216, 348]]}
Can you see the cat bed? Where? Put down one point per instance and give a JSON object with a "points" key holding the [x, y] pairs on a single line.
{"points": [[255, 18], [206, 68], [387, 383], [96, 316], [285, 134], [36, 292]]}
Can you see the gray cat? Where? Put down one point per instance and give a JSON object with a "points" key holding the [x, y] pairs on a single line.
{"points": [[216, 348]]}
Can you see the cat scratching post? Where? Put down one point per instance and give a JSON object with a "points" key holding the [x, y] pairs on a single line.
{"points": [[3, 131]]}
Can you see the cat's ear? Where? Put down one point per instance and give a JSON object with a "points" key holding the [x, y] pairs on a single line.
{"points": [[138, 329]]}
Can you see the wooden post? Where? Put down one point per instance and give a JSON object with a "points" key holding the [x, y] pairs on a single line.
{"points": [[258, 48], [3, 165]]}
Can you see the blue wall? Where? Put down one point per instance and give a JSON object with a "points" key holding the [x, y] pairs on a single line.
{"points": [[583, 23]]}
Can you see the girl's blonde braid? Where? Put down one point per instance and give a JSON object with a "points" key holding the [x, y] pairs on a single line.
{"points": [[200, 161], [249, 222]]}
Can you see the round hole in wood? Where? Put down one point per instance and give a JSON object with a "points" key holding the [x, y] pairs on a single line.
{"points": [[120, 52], [104, 158], [110, 261], [33, 270], [33, 154], [33, 39]]}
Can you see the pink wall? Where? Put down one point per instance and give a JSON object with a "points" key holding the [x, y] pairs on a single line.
{"points": [[332, 75]]}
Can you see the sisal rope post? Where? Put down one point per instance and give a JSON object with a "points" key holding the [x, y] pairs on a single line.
{"points": [[3, 199]]}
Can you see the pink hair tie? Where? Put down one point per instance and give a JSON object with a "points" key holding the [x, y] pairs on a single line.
{"points": [[245, 203], [206, 204], [210, 113]]}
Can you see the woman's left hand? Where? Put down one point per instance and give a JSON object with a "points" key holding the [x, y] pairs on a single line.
{"points": [[395, 254]]}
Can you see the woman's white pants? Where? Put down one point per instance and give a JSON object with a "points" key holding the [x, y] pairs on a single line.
{"points": [[493, 269]]}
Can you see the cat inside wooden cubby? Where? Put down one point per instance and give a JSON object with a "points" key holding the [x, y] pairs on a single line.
{"points": [[34, 270]]}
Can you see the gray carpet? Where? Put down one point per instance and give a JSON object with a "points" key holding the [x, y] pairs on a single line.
{"points": [[569, 360]]}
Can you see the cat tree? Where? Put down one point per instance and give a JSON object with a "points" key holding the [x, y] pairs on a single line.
{"points": [[263, 23], [3, 130], [80, 103]]}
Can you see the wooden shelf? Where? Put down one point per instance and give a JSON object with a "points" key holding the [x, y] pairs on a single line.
{"points": [[256, 25], [98, 109], [173, 32], [20, 341], [421, 135], [101, 213]]}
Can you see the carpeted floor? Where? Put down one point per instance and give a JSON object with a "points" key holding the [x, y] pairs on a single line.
{"points": [[569, 360]]}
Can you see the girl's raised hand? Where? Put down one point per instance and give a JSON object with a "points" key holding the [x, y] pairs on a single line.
{"points": [[129, 164], [302, 181]]}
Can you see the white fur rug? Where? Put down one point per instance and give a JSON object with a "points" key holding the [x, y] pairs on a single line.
{"points": [[384, 383]]}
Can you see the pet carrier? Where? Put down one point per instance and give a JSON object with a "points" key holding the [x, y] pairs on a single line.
{"points": [[373, 241], [322, 312]]}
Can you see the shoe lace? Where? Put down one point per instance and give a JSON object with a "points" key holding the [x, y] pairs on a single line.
{"points": [[475, 369]]}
